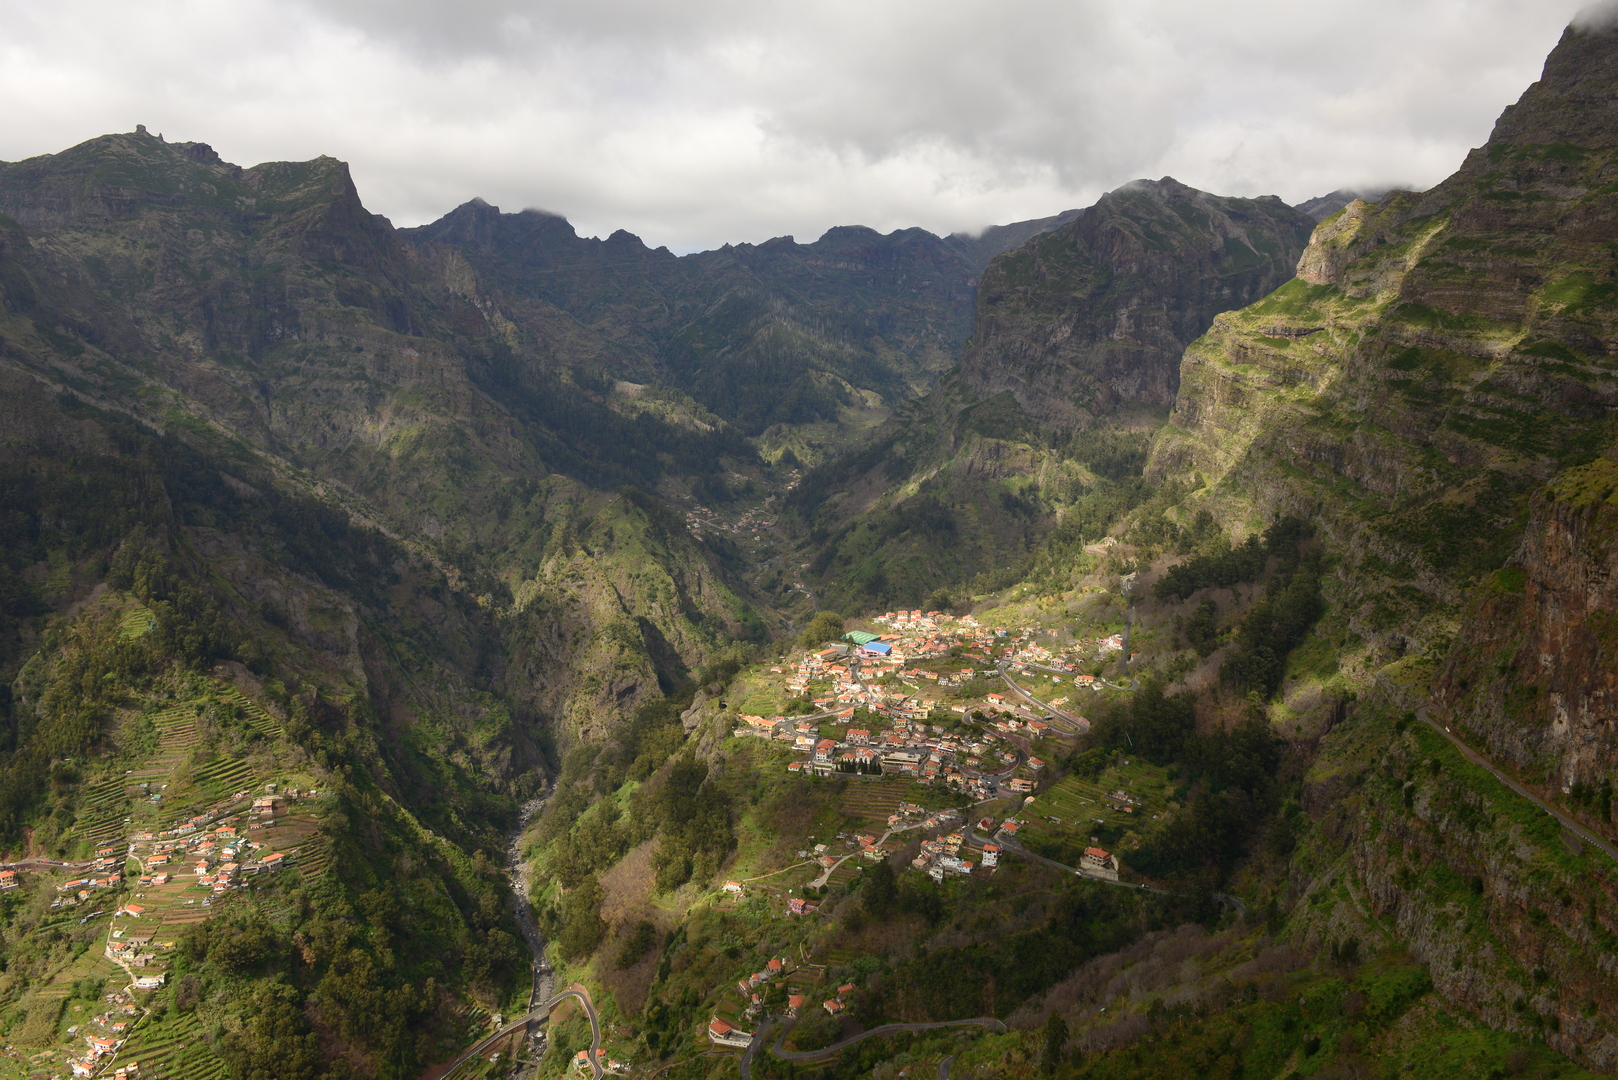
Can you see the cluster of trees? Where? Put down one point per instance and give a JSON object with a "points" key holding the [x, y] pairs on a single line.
{"points": [[1229, 786], [884, 894], [825, 626], [1241, 562], [360, 968], [957, 982], [696, 831], [1275, 626]]}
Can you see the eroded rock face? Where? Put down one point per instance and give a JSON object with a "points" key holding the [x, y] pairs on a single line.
{"points": [[1533, 673], [1093, 316], [1440, 356]]}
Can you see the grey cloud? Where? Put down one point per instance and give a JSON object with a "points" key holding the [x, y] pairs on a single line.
{"points": [[1598, 17], [697, 123]]}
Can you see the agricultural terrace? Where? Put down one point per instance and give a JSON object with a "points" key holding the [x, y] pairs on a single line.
{"points": [[200, 797]]}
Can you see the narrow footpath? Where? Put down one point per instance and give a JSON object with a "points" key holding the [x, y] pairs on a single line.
{"points": [[1484, 763]]}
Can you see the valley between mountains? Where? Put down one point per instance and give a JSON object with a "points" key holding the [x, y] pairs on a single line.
{"points": [[1174, 636]]}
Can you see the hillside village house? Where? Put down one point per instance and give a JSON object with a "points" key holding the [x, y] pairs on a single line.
{"points": [[721, 1033], [1098, 863]]}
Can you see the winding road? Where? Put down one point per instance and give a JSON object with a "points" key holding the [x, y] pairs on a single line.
{"points": [[1070, 723], [539, 1015], [1484, 763], [760, 1037]]}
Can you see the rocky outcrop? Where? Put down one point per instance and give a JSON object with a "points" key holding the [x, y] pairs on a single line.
{"points": [[1532, 674], [1093, 316]]}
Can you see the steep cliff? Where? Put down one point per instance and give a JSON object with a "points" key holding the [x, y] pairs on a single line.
{"points": [[1435, 391], [1093, 316], [1073, 361], [1532, 673], [1438, 358]]}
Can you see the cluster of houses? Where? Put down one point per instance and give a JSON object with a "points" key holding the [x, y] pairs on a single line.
{"points": [[700, 519], [218, 859], [775, 970], [103, 1042], [942, 855], [78, 890], [834, 1006], [581, 1063]]}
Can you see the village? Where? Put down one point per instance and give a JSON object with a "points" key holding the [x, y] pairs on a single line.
{"points": [[952, 710], [895, 704], [151, 877]]}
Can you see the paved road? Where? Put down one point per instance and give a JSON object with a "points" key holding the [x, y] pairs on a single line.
{"points": [[1055, 713], [540, 1013], [944, 1066], [1482, 762], [760, 1037]]}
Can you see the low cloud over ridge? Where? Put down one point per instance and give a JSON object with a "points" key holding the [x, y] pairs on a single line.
{"points": [[716, 120]]}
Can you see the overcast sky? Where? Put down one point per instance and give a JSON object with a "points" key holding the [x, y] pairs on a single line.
{"points": [[696, 122]]}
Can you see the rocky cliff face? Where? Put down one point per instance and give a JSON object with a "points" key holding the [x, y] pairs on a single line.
{"points": [[1532, 674], [1093, 316], [1435, 391], [1439, 357]]}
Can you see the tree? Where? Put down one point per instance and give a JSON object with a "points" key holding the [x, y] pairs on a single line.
{"points": [[825, 626], [879, 890], [1055, 1040], [582, 925]]}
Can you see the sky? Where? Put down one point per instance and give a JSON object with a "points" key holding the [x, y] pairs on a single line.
{"points": [[701, 122]]}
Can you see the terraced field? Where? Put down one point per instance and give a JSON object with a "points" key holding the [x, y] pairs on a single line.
{"points": [[1080, 805], [252, 712], [92, 964], [873, 801], [137, 622], [103, 809], [191, 779], [172, 1049]]}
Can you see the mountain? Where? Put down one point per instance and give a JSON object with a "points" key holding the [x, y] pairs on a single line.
{"points": [[1434, 392], [1322, 207], [1093, 316], [779, 333], [1074, 358], [375, 603], [979, 249]]}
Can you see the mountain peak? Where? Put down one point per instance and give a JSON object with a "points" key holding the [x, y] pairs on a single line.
{"points": [[1576, 97]]}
